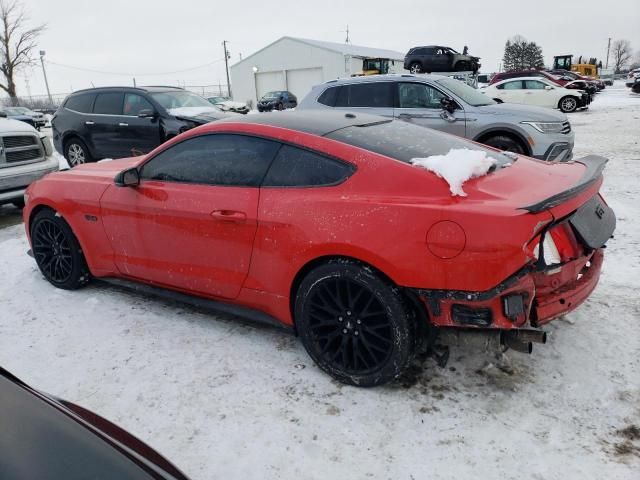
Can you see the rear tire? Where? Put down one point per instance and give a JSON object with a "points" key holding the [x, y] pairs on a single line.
{"points": [[568, 104], [57, 251], [415, 67], [354, 323], [76, 152], [506, 143]]}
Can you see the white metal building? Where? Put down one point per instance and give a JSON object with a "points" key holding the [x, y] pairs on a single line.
{"points": [[297, 64]]}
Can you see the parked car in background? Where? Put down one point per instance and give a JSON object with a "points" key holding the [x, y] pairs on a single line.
{"points": [[115, 122], [558, 80], [632, 77], [277, 100], [436, 58], [45, 437], [635, 85], [588, 87], [538, 91], [599, 84], [449, 105], [25, 156], [227, 105], [255, 217], [23, 114]]}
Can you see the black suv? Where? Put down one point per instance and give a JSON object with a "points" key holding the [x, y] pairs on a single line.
{"points": [[115, 122], [278, 100], [435, 58]]}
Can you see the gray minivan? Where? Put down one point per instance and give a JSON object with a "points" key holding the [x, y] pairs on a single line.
{"points": [[451, 106]]}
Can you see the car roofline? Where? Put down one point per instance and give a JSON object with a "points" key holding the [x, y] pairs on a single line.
{"points": [[387, 77], [146, 88]]}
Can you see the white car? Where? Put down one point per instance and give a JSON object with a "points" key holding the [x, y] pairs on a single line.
{"points": [[25, 156], [227, 105], [537, 91]]}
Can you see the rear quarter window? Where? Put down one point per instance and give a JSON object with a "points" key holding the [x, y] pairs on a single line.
{"points": [[80, 103], [328, 97], [296, 167]]}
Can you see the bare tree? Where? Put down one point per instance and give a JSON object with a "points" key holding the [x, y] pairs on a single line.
{"points": [[621, 50], [17, 41]]}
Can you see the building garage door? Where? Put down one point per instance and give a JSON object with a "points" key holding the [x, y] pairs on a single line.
{"points": [[300, 81], [269, 81]]}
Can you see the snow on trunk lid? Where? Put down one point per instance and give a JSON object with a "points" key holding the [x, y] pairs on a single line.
{"points": [[457, 166]]}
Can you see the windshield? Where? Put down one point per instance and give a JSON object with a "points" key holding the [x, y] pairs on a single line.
{"points": [[404, 141], [465, 92], [180, 99], [272, 95]]}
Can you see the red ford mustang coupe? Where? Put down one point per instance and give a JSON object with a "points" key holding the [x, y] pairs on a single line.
{"points": [[319, 222]]}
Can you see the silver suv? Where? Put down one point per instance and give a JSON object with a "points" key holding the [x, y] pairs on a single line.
{"points": [[25, 156], [450, 105]]}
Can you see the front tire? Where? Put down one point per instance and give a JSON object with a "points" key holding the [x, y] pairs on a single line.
{"points": [[57, 251], [568, 104], [415, 67], [76, 152], [354, 323], [505, 143]]}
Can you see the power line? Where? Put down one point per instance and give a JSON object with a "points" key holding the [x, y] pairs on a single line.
{"points": [[134, 74]]}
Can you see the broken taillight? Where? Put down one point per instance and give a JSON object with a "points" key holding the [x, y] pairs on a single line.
{"points": [[559, 245]]}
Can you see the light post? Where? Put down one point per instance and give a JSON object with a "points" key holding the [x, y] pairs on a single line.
{"points": [[255, 82], [44, 72]]}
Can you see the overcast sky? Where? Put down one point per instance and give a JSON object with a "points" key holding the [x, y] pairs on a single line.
{"points": [[142, 37]]}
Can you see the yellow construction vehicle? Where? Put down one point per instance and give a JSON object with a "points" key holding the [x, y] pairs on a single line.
{"points": [[565, 62], [374, 66]]}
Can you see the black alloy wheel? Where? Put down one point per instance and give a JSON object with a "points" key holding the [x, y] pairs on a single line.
{"points": [[415, 67], [354, 323], [57, 251]]}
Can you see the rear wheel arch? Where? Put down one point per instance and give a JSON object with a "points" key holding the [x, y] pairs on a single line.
{"points": [[74, 136], [323, 260], [517, 137]]}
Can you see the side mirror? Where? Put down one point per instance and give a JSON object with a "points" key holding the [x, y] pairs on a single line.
{"points": [[146, 113], [548, 87], [128, 178], [448, 104]]}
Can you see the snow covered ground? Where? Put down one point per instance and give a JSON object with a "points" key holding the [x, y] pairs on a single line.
{"points": [[223, 398]]}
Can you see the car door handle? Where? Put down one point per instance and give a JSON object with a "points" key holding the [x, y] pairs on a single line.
{"points": [[123, 124], [89, 123], [229, 215]]}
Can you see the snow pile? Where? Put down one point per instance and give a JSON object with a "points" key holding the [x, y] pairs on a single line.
{"points": [[457, 166], [193, 111]]}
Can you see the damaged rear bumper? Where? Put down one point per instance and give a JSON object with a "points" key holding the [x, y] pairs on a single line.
{"points": [[527, 298]]}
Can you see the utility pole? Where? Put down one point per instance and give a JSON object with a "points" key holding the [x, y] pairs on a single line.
{"points": [[346, 40], [44, 72], [134, 82], [226, 66], [608, 49]]}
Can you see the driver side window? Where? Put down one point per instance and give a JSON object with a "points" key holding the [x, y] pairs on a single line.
{"points": [[218, 159], [418, 95]]}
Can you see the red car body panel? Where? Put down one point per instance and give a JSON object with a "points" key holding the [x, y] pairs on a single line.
{"points": [[247, 245]]}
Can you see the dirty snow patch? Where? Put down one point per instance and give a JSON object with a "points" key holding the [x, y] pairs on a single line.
{"points": [[457, 166]]}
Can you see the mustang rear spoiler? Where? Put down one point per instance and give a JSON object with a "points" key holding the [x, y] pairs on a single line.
{"points": [[595, 165]]}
